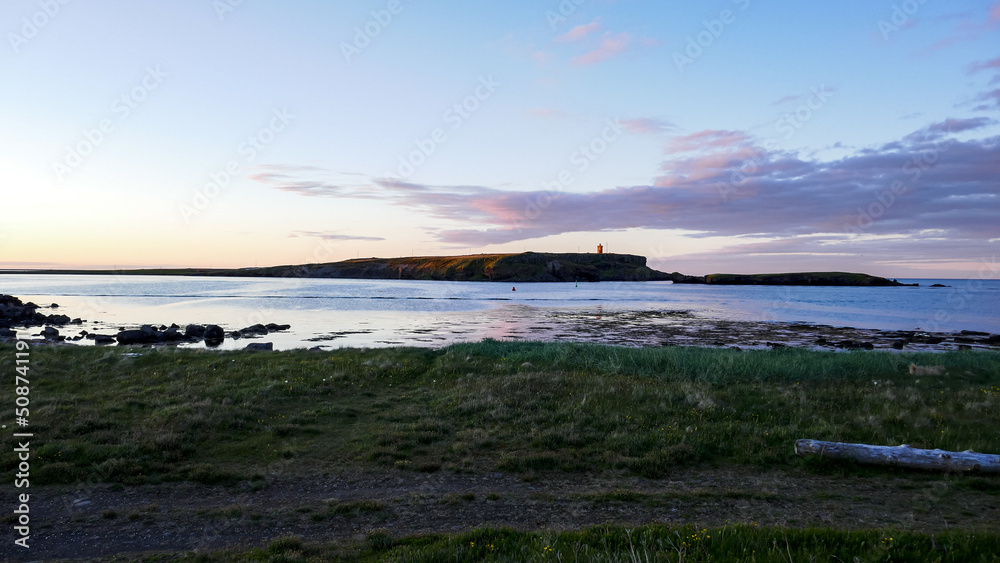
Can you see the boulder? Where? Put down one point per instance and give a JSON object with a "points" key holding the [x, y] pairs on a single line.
{"points": [[259, 347], [214, 335], [194, 331], [274, 328], [58, 319], [50, 333], [254, 329], [6, 333], [130, 337], [102, 339]]}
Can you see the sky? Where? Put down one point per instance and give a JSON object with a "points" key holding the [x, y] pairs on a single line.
{"points": [[716, 136]]}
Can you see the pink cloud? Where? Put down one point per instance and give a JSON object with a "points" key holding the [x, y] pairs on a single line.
{"points": [[708, 139], [541, 57], [645, 125], [985, 65], [579, 32], [610, 46], [785, 100], [968, 30]]}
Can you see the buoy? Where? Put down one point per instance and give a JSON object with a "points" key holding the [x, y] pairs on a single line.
{"points": [[513, 289]]}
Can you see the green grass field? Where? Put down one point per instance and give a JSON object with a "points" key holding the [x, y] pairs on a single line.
{"points": [[142, 415], [155, 416]]}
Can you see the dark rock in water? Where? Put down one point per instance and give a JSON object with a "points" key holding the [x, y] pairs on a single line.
{"points": [[899, 344], [131, 337], [6, 333], [255, 329], [964, 339], [148, 330], [938, 285], [994, 338], [775, 345], [174, 326], [964, 347], [77, 321], [274, 328], [214, 335], [194, 331], [50, 333], [58, 319], [974, 333], [54, 305], [171, 334], [259, 347], [102, 339], [926, 339], [822, 341]]}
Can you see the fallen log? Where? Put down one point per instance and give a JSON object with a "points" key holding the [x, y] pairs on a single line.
{"points": [[902, 456]]}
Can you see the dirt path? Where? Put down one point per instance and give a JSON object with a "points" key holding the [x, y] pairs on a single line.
{"points": [[107, 520]]}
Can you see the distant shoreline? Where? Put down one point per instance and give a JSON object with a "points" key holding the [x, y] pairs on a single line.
{"points": [[505, 268]]}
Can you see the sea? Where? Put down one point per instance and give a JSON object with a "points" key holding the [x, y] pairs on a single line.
{"points": [[375, 313]]}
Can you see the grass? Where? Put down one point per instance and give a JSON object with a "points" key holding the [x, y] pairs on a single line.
{"points": [[235, 419], [614, 544]]}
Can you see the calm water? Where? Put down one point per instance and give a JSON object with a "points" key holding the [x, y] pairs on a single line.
{"points": [[381, 313]]}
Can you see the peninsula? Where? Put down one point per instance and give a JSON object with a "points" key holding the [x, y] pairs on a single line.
{"points": [[520, 267]]}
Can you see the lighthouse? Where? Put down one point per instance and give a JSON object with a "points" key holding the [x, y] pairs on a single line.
{"points": [[600, 249]]}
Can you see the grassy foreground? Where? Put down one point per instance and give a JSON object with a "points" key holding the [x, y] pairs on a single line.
{"points": [[613, 544], [153, 415]]}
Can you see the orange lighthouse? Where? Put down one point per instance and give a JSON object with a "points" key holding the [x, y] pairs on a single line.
{"points": [[600, 249]]}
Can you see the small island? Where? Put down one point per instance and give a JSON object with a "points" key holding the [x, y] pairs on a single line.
{"points": [[519, 267]]}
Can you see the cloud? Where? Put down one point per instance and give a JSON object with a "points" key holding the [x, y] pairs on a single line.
{"points": [[992, 98], [708, 139], [610, 46], [579, 32], [785, 100], [643, 125], [968, 28], [992, 64], [331, 236], [939, 193], [548, 113]]}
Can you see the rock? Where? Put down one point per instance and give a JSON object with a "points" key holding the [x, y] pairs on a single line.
{"points": [[194, 331], [102, 339], [54, 305], [899, 344], [6, 333], [939, 285], [255, 329], [274, 328], [822, 341], [171, 334], [775, 345], [964, 347], [259, 347], [50, 333], [77, 321], [131, 337], [974, 333], [994, 339], [214, 335], [58, 319], [964, 339]]}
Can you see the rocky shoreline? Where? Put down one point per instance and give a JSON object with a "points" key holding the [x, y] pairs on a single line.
{"points": [[15, 314], [623, 328]]}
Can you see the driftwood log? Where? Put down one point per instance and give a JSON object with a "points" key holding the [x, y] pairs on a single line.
{"points": [[903, 456]]}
